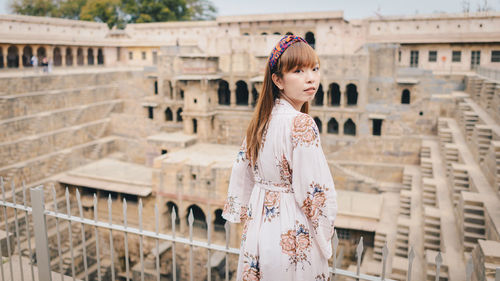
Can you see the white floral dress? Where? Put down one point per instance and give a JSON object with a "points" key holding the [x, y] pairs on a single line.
{"points": [[287, 202]]}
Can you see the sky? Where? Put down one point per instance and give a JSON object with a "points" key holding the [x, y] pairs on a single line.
{"points": [[353, 9]]}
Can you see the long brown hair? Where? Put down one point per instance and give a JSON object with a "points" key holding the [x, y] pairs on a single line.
{"points": [[297, 55]]}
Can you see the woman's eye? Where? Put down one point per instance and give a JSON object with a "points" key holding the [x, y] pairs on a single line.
{"points": [[316, 69], [298, 70]]}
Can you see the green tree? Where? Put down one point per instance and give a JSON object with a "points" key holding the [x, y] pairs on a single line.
{"points": [[118, 12], [106, 11], [42, 8]]}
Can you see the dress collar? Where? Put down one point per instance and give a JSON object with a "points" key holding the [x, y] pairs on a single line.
{"points": [[283, 104]]}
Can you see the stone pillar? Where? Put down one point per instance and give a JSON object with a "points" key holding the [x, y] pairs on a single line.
{"points": [[250, 94], [341, 126], [85, 56], [232, 90], [173, 94], [95, 55], [326, 94], [4, 56], [343, 94], [50, 54], [20, 56], [63, 56], [324, 124]]}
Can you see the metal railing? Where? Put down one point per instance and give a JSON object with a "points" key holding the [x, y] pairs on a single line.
{"points": [[40, 214]]}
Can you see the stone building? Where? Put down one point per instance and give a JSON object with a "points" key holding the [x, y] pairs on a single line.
{"points": [[408, 111]]}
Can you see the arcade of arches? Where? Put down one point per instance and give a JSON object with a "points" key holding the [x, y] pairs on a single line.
{"points": [[240, 95], [19, 56], [199, 217]]}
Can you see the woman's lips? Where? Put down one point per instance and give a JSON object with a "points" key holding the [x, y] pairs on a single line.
{"points": [[310, 90]]}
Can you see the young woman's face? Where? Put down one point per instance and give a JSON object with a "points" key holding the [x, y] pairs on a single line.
{"points": [[298, 86]]}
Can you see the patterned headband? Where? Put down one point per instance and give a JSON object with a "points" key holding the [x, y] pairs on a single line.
{"points": [[284, 43]]}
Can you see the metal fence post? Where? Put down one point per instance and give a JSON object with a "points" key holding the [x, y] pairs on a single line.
{"points": [[40, 228]]}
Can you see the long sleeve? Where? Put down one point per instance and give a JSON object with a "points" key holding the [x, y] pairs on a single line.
{"points": [[240, 187], [312, 181]]}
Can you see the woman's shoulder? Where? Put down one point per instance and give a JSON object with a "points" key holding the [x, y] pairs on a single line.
{"points": [[304, 130]]}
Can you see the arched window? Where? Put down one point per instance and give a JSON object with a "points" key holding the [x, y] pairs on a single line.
{"points": [[263, 33], [318, 98], [41, 53], [90, 56], [334, 90], [12, 57], [195, 126], [219, 221], [57, 56], [352, 94], [241, 93], [289, 33], [69, 56], [333, 126], [277, 33], [223, 93], [168, 114], [100, 56], [405, 96], [79, 56], [255, 95], [171, 206], [198, 216], [318, 123], [27, 54], [349, 128], [179, 115], [310, 38]]}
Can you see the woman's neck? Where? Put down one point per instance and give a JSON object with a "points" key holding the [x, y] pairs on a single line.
{"points": [[296, 104]]}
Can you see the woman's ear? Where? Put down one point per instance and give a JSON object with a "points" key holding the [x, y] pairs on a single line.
{"points": [[277, 81]]}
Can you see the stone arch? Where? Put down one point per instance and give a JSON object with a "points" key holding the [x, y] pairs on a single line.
{"points": [[223, 93], [276, 33], [27, 54], [100, 56], [263, 33], [1, 58], [219, 221], [318, 123], [12, 57], [179, 114], [405, 96], [310, 38], [333, 126], [69, 56], [172, 206], [349, 127], [334, 90], [352, 94], [90, 56], [198, 216], [318, 98], [79, 56], [57, 56], [41, 53], [289, 33], [195, 126], [168, 114], [241, 93]]}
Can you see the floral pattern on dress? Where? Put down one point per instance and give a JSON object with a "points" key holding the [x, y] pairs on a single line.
{"points": [[233, 209], [304, 131], [296, 243], [314, 203], [322, 277], [271, 205], [247, 217], [285, 170], [251, 268]]}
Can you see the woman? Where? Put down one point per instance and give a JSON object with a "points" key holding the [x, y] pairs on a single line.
{"points": [[280, 184]]}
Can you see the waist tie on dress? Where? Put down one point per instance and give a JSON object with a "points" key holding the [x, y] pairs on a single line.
{"points": [[278, 187]]}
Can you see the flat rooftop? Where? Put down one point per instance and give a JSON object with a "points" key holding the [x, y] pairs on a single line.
{"points": [[358, 210], [204, 154], [112, 175]]}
